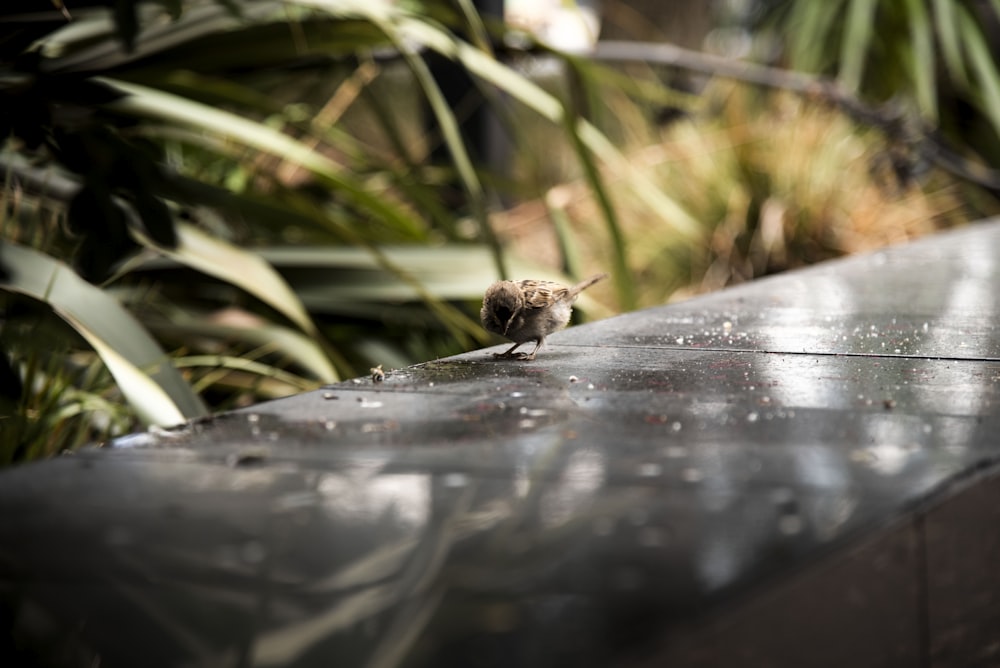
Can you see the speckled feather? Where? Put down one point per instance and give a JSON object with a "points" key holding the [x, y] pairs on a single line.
{"points": [[539, 294]]}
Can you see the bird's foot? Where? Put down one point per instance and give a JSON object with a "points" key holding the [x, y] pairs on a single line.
{"points": [[523, 357]]}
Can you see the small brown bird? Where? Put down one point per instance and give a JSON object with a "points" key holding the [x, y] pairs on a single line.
{"points": [[529, 310]]}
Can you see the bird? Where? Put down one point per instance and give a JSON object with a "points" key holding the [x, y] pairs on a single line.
{"points": [[529, 310]]}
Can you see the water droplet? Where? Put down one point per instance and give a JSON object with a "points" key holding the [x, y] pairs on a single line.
{"points": [[118, 536], [590, 386], [604, 526], [253, 418], [782, 495], [517, 395], [692, 475], [365, 403], [252, 552], [330, 425], [652, 537], [638, 517], [455, 480], [676, 451], [329, 395], [627, 579], [753, 416], [680, 340], [790, 524], [650, 470], [675, 426], [573, 379]]}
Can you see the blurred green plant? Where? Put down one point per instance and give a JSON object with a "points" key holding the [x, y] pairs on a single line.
{"points": [[934, 57], [775, 181], [242, 187], [249, 188]]}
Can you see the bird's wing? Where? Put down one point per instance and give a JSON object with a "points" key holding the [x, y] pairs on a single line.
{"points": [[539, 294]]}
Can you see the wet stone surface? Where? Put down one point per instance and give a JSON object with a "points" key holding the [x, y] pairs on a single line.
{"points": [[643, 472]]}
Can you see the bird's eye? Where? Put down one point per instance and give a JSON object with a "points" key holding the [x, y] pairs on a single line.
{"points": [[503, 313]]}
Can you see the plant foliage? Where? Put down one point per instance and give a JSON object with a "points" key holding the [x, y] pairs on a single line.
{"points": [[229, 181]]}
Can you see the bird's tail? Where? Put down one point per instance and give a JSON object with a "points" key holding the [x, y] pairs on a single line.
{"points": [[586, 283]]}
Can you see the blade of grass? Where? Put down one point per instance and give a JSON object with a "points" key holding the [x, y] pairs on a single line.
{"points": [[410, 29], [922, 46], [812, 23], [947, 29], [142, 370], [147, 103], [981, 61], [246, 270], [477, 30], [564, 234], [855, 46], [456, 146], [230, 363], [620, 267], [282, 341], [549, 107]]}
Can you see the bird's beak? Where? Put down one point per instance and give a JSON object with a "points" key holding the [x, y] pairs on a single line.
{"points": [[507, 325]]}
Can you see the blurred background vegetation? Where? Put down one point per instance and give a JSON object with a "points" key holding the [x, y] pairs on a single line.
{"points": [[208, 203]]}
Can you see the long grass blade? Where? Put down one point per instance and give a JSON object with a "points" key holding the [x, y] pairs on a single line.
{"points": [[548, 106], [148, 103], [945, 20], [855, 46], [812, 23], [243, 269], [620, 267], [981, 61], [449, 128], [922, 45], [142, 370]]}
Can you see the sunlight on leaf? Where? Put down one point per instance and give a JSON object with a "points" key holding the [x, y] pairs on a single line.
{"points": [[857, 39], [244, 269], [142, 370]]}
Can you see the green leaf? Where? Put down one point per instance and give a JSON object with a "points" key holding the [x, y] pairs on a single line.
{"points": [[478, 33], [453, 138], [142, 370], [922, 44], [981, 61], [244, 269], [945, 19], [811, 23], [283, 341], [620, 274], [148, 103], [548, 106], [855, 46]]}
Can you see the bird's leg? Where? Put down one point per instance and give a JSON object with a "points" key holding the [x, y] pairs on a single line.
{"points": [[507, 354], [526, 357], [531, 355]]}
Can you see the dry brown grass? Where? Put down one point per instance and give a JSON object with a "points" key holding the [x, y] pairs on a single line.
{"points": [[776, 182]]}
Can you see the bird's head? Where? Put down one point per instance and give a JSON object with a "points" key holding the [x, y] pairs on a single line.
{"points": [[502, 305]]}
